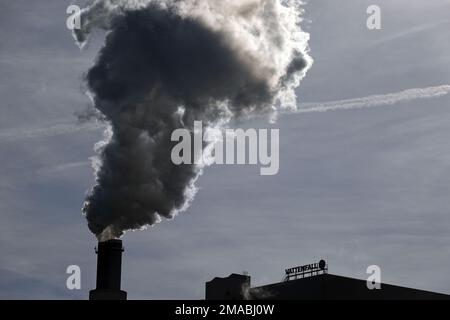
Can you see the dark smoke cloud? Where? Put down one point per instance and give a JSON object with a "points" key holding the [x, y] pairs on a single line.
{"points": [[159, 70]]}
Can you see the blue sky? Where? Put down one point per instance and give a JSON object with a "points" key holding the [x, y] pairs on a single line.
{"points": [[357, 187]]}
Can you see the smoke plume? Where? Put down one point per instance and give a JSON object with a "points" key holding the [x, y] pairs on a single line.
{"points": [[166, 64]]}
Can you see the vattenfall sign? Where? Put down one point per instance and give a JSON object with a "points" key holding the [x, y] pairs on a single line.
{"points": [[318, 266]]}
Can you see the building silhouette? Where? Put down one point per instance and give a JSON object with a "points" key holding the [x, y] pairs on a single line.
{"points": [[311, 282]]}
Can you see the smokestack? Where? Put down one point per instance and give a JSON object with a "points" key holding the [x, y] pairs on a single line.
{"points": [[109, 269]]}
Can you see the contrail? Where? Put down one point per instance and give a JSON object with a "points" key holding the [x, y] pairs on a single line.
{"points": [[68, 127], [411, 31], [376, 100], [61, 128], [59, 169]]}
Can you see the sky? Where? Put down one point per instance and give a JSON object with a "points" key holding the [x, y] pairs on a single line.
{"points": [[357, 187]]}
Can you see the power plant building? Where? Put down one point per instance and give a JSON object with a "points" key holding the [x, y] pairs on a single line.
{"points": [[311, 282]]}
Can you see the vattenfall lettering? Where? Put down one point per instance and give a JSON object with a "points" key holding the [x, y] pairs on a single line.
{"points": [[307, 267]]}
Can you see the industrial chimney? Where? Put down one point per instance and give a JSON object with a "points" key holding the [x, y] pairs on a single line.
{"points": [[109, 269]]}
